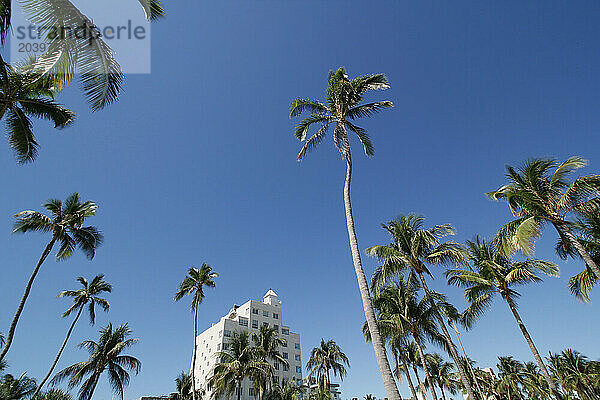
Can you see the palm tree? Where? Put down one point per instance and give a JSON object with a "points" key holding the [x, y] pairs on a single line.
{"points": [[534, 382], [286, 390], [413, 358], [265, 347], [22, 96], [105, 356], [101, 75], [343, 105], [325, 358], [53, 394], [441, 372], [401, 312], [86, 296], [413, 248], [496, 273], [369, 397], [399, 350], [66, 224], [537, 196], [511, 377], [236, 363], [183, 384], [193, 284], [12, 388], [577, 374]]}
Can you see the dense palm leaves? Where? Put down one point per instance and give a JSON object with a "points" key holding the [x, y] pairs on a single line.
{"points": [[342, 107], [105, 356], [323, 360], [23, 96], [539, 193], [576, 374], [286, 390], [88, 296], [236, 363], [193, 285], [266, 345], [495, 273], [414, 248], [183, 384], [12, 388], [441, 373], [65, 222]]}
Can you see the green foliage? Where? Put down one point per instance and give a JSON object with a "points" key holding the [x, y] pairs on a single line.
{"points": [[88, 295], [194, 283], [325, 358], [53, 394], [12, 388], [183, 385]]}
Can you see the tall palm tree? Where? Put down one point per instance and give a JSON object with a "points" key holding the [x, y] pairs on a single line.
{"points": [[88, 296], [399, 350], [413, 358], [343, 105], [495, 273], [266, 345], [66, 225], [441, 372], [183, 384], [414, 248], [535, 383], [511, 378], [400, 310], [235, 364], [577, 374], [53, 394], [22, 96], [12, 388], [193, 284], [101, 74], [539, 193], [105, 356], [325, 358]]}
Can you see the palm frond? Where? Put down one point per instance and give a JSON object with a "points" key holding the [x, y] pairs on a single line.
{"points": [[153, 9], [20, 136]]}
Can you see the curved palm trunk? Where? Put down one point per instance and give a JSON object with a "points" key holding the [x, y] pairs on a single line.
{"points": [[410, 384], [425, 368], [420, 383], [442, 391], [479, 391], [64, 344], [194, 353], [536, 355], [380, 354], [451, 346], [566, 232], [13, 325]]}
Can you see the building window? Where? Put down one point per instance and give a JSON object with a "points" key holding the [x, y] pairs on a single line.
{"points": [[243, 322], [299, 370], [276, 365], [285, 356], [265, 313], [297, 357], [276, 327], [285, 331], [275, 316], [286, 367], [297, 346], [255, 324], [227, 333], [255, 311], [265, 324], [219, 347], [225, 346], [220, 333]]}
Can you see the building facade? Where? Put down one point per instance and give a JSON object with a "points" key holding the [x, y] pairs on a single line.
{"points": [[248, 317]]}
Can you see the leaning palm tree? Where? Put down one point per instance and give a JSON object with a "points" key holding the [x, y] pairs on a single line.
{"points": [[414, 248], [105, 356], [266, 345], [441, 372], [496, 273], [66, 225], [12, 388], [88, 296], [325, 358], [342, 107], [235, 364], [193, 284], [399, 350], [539, 193], [183, 384], [23, 96]]}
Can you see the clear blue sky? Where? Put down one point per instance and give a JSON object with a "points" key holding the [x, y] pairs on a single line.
{"points": [[196, 163]]}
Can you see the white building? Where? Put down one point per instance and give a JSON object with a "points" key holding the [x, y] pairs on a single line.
{"points": [[248, 317]]}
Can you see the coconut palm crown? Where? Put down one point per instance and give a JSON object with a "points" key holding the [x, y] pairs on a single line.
{"points": [[325, 358]]}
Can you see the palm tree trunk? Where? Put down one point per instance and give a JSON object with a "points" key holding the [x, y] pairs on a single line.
{"points": [[239, 390], [421, 386], [536, 355], [380, 354], [410, 384], [566, 232], [13, 325], [479, 391], [451, 346], [425, 368], [194, 353], [442, 390], [41, 385]]}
